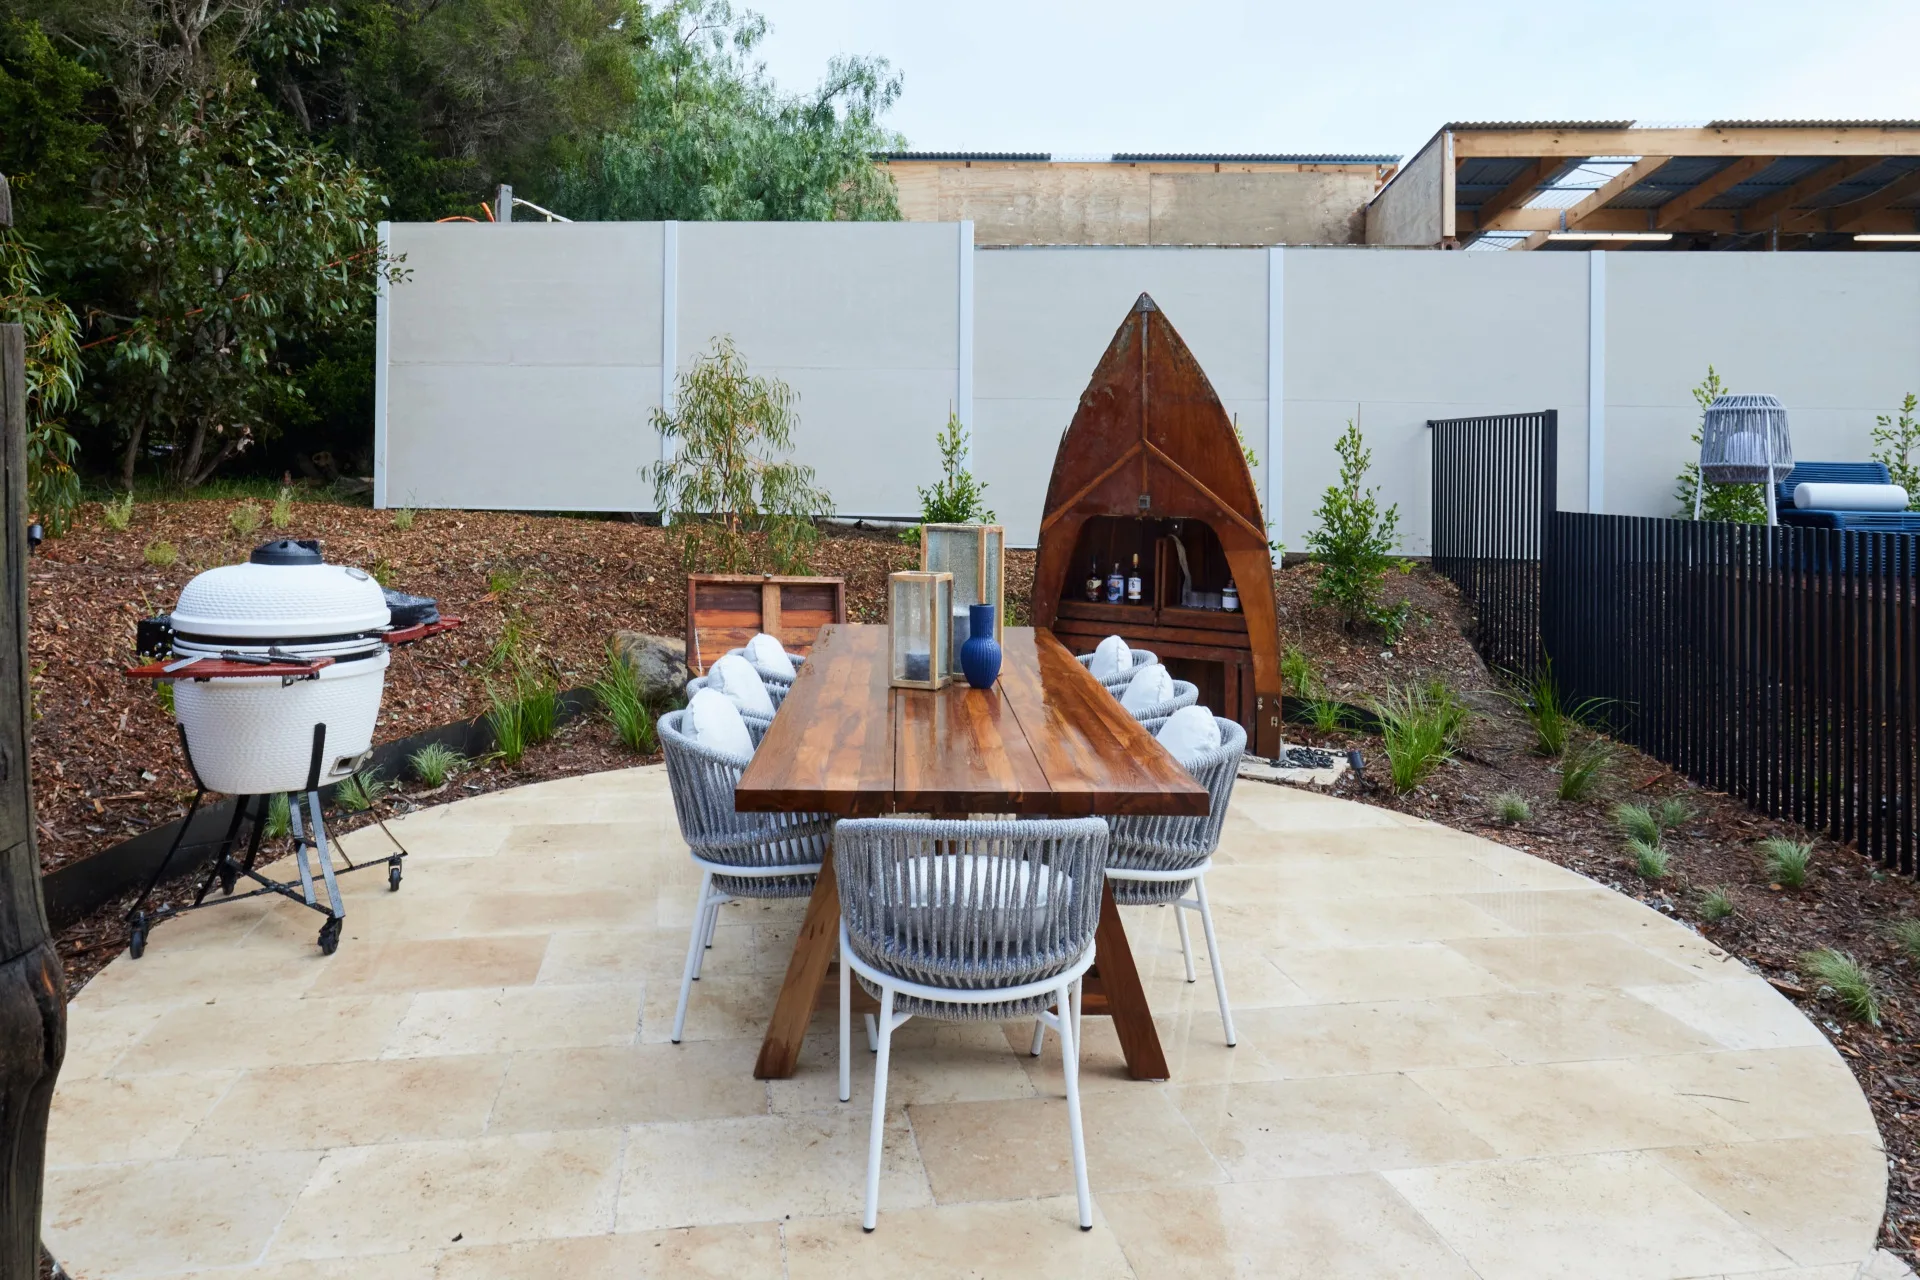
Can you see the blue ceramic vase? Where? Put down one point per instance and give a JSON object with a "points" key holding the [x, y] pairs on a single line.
{"points": [[980, 655]]}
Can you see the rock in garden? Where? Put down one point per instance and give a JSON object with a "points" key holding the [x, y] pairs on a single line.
{"points": [[659, 664]]}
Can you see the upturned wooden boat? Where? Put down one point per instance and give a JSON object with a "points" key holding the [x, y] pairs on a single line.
{"points": [[1152, 468]]}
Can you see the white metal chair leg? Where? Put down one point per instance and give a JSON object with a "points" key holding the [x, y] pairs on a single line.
{"points": [[1186, 939], [1070, 1069], [713, 915], [879, 1109], [1039, 1037], [1213, 958], [846, 1029], [707, 917], [695, 948], [873, 1033]]}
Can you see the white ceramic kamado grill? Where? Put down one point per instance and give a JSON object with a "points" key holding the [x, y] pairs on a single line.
{"points": [[277, 665]]}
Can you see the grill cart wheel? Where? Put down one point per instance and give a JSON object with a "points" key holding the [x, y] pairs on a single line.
{"points": [[330, 936], [393, 875], [137, 939], [229, 875]]}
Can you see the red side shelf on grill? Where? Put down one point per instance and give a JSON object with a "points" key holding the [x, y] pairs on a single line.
{"points": [[220, 669], [415, 634]]}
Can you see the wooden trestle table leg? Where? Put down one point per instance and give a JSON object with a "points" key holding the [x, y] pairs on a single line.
{"points": [[1113, 988], [815, 949]]}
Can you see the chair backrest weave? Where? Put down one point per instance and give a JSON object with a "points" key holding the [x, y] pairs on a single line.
{"points": [[1141, 658], [703, 779], [970, 905], [1175, 842], [1185, 694]]}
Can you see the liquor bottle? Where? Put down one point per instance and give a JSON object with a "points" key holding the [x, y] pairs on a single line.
{"points": [[1116, 585], [1133, 581], [1230, 599], [1093, 580]]}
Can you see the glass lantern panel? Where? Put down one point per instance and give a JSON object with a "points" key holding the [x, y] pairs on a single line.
{"points": [[910, 626], [996, 577], [945, 642]]}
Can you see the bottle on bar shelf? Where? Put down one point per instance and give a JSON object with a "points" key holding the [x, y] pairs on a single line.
{"points": [[1094, 585], [1116, 585], [1133, 581]]}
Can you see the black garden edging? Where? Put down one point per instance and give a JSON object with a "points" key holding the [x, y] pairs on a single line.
{"points": [[1358, 719], [84, 885]]}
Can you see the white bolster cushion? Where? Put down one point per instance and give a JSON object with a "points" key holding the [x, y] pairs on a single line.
{"points": [[734, 676], [1190, 735], [1110, 658], [769, 657], [1849, 497], [1150, 686], [716, 724]]}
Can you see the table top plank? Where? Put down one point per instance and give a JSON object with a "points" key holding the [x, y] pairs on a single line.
{"points": [[1047, 739], [1097, 757], [826, 751]]}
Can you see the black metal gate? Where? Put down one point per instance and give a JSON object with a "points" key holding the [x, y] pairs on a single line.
{"points": [[1494, 495]]}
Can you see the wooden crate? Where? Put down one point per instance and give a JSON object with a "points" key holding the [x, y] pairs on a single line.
{"points": [[725, 610]]}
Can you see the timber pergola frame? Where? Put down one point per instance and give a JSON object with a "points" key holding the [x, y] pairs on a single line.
{"points": [[1725, 185]]}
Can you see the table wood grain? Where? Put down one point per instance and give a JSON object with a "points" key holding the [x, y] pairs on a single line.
{"points": [[1046, 739]]}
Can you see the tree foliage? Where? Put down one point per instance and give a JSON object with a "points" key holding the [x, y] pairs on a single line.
{"points": [[1737, 503], [710, 136], [1896, 441], [956, 497], [1353, 540], [53, 364], [736, 501]]}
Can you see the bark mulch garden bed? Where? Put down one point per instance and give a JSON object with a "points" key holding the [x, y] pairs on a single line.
{"points": [[106, 763]]}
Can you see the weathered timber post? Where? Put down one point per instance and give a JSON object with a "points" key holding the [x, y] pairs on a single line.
{"points": [[33, 1006]]}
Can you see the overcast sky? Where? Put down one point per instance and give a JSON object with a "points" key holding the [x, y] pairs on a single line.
{"points": [[1340, 76]]}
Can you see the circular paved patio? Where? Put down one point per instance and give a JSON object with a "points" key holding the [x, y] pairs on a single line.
{"points": [[1455, 1060]]}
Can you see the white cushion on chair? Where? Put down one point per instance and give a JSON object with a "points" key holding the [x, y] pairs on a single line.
{"points": [[1190, 735], [715, 723], [734, 676], [769, 657], [1150, 686], [1110, 658], [945, 879]]}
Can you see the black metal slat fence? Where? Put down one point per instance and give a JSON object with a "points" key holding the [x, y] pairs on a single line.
{"points": [[1779, 665], [1494, 485]]}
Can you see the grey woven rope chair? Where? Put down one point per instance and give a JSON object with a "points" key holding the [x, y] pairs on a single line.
{"points": [[1141, 658], [740, 855], [1185, 694], [967, 921], [1163, 860]]}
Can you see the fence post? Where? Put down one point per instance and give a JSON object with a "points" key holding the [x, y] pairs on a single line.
{"points": [[503, 204]]}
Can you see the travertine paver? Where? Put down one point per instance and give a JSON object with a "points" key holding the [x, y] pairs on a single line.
{"points": [[1455, 1061]]}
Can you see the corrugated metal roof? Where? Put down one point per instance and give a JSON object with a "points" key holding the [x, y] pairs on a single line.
{"points": [[1813, 124], [1563, 125], [963, 155], [1199, 157], [1566, 125]]}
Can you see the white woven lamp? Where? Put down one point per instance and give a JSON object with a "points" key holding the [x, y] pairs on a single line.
{"points": [[1744, 440]]}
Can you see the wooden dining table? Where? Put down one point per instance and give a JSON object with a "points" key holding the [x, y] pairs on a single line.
{"points": [[1046, 739]]}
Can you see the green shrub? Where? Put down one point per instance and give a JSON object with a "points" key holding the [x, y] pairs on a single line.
{"points": [[436, 762], [1584, 768], [726, 481], [957, 497], [1512, 808], [361, 791], [1715, 906], [619, 695], [1848, 982], [1418, 727], [539, 708], [160, 553], [1672, 812], [279, 816], [1896, 439], [503, 580], [1636, 822], [1296, 673], [282, 513], [403, 519], [245, 520], [1650, 860], [1328, 715], [506, 717], [117, 513], [1905, 934], [1552, 721], [1353, 540], [1787, 861]]}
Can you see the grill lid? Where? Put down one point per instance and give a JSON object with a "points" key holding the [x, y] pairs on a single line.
{"points": [[285, 593]]}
